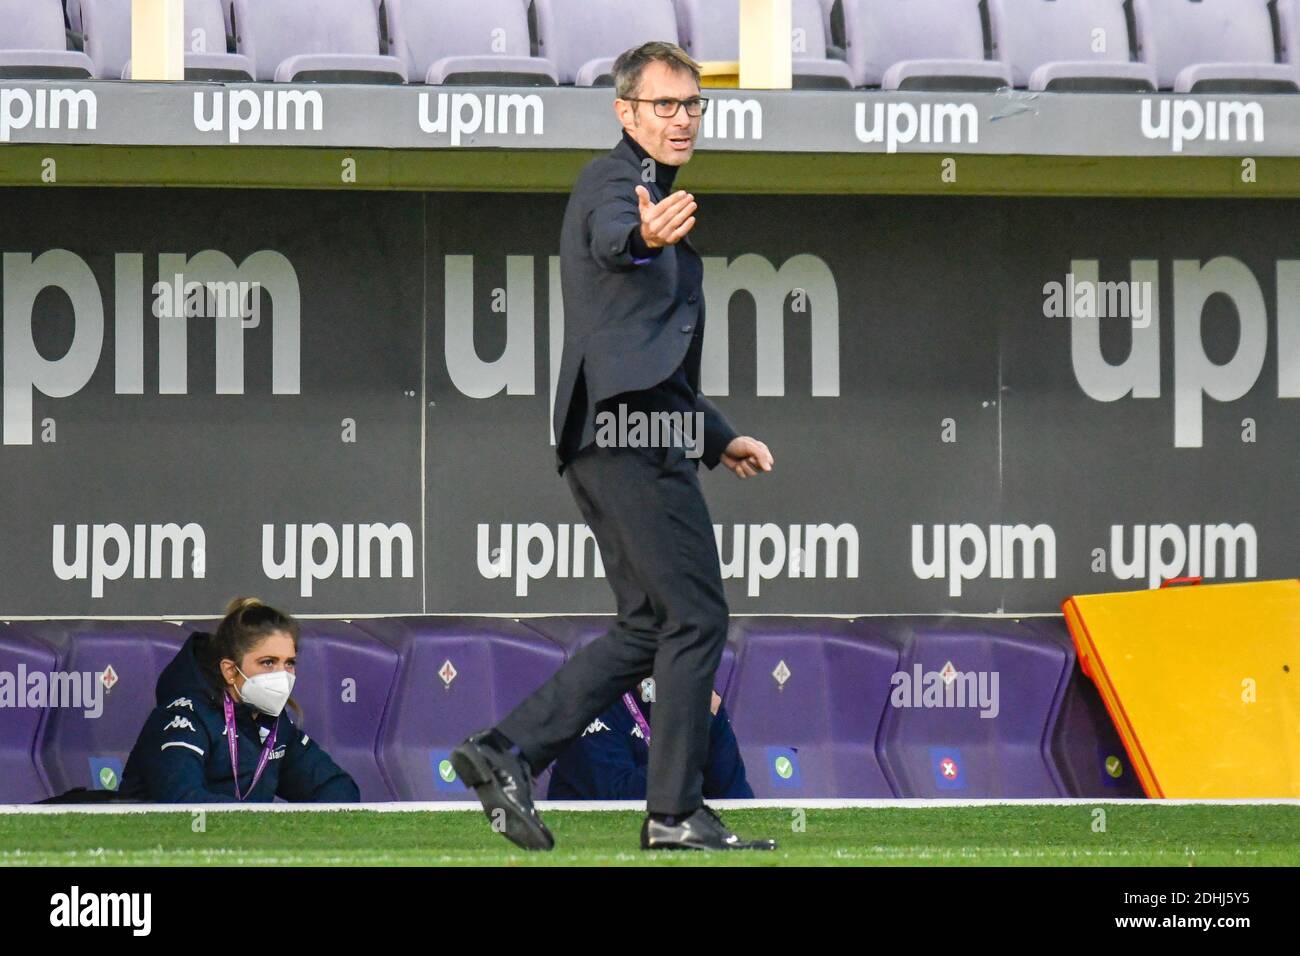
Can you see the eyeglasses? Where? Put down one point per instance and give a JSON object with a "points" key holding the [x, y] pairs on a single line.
{"points": [[667, 107]]}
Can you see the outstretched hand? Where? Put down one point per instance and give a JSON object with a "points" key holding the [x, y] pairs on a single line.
{"points": [[665, 223], [747, 456]]}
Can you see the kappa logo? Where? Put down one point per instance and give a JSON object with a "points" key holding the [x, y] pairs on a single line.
{"points": [[181, 702], [636, 732], [595, 727], [179, 723]]}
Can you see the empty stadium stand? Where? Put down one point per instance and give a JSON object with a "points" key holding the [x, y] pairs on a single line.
{"points": [[1212, 46], [1083, 45], [446, 42], [1196, 46], [33, 43], [106, 29], [709, 30], [583, 39], [314, 41], [919, 45]]}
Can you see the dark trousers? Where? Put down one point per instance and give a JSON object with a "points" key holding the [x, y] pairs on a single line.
{"points": [[648, 515]]}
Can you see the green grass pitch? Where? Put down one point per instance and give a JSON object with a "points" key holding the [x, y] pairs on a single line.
{"points": [[1135, 835]]}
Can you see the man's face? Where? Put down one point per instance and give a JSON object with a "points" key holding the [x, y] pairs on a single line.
{"points": [[669, 141]]}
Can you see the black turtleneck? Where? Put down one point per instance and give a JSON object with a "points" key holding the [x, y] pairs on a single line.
{"points": [[664, 176], [673, 394]]}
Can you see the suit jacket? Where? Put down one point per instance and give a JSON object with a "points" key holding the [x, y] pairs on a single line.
{"points": [[625, 326]]}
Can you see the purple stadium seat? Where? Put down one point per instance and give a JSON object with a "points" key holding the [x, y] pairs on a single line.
{"points": [[76, 750], [806, 700], [583, 39], [828, 8], [455, 675], [919, 45], [1083, 749], [314, 41], [710, 30], [1080, 45], [1211, 46], [930, 748], [1288, 22], [34, 43], [20, 780], [344, 679], [107, 28], [574, 633], [446, 41]]}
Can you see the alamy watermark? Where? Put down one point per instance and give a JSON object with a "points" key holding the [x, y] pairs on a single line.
{"points": [[1088, 299], [947, 687], [633, 428], [224, 299], [39, 690]]}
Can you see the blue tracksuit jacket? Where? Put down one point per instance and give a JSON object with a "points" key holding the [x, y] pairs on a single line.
{"points": [[608, 761], [182, 756]]}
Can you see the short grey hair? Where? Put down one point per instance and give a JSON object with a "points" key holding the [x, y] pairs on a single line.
{"points": [[630, 64]]}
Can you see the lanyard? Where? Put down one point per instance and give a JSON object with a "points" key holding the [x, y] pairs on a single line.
{"points": [[639, 717], [233, 739]]}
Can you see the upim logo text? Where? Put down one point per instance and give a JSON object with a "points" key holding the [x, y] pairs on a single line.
{"points": [[46, 109], [492, 114], [1196, 552], [346, 552], [797, 551], [247, 110], [128, 551], [1182, 121], [996, 551], [27, 370], [1196, 375], [897, 124]]}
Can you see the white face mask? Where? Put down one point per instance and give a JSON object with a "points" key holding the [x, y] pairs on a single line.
{"points": [[267, 692]]}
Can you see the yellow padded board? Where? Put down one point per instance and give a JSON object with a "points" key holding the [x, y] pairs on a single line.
{"points": [[1202, 683]]}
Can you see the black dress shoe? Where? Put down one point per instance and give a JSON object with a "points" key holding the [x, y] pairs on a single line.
{"points": [[504, 784], [702, 830]]}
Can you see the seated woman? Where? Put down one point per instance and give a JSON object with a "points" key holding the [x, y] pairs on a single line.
{"points": [[608, 761], [219, 734]]}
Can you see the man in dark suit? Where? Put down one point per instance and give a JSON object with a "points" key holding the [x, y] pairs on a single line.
{"points": [[634, 324]]}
